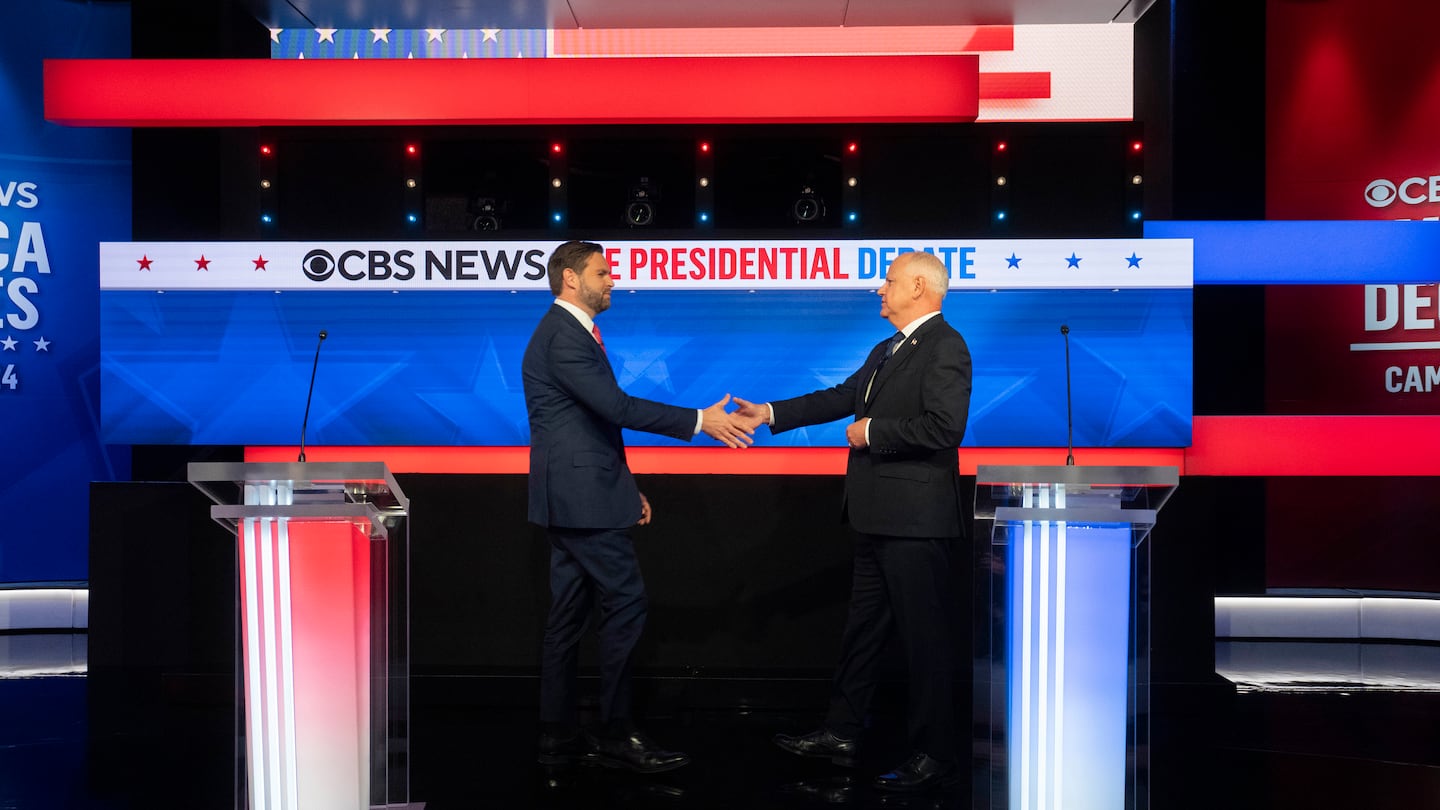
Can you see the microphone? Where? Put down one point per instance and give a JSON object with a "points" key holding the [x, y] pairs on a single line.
{"points": [[1069, 421], [306, 421]]}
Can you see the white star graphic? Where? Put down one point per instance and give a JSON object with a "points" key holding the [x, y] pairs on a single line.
{"points": [[42, 345], [435, 34], [326, 35], [275, 35], [8, 343], [381, 35], [301, 56], [489, 34]]}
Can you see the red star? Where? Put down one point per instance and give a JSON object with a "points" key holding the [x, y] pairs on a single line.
{"points": [[260, 262], [202, 263], [144, 262]]}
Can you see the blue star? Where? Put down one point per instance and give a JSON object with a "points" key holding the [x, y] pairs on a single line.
{"points": [[1013, 261], [1133, 259], [1073, 261]]}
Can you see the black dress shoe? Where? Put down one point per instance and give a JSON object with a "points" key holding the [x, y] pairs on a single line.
{"points": [[920, 772], [634, 752], [821, 744], [563, 750]]}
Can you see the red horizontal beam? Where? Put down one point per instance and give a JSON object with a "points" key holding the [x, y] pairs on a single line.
{"points": [[679, 90], [1014, 85], [1222, 446], [697, 460], [782, 40]]}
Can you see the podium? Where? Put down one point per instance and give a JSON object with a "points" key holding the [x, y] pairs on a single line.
{"points": [[323, 562], [1065, 579]]}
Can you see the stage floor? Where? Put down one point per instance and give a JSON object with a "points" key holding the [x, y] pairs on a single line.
{"points": [[87, 741]]}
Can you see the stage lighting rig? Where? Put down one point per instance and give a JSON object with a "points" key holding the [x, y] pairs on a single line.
{"points": [[640, 209], [808, 207], [488, 214]]}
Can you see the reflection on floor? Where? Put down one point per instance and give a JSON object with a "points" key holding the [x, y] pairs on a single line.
{"points": [[107, 741]]}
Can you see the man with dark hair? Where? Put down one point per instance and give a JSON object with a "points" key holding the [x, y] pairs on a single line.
{"points": [[582, 492], [910, 401]]}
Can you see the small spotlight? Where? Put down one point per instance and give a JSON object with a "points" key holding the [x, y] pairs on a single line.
{"points": [[267, 149], [555, 216], [853, 147], [853, 182], [1000, 216], [555, 183], [1136, 146], [852, 216], [1000, 181], [266, 218], [412, 218], [410, 182], [265, 184], [555, 148], [704, 217], [704, 146], [808, 206], [704, 182], [1135, 215], [640, 209], [411, 149], [1136, 180], [1000, 146]]}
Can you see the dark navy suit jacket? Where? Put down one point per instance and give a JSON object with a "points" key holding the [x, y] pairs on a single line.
{"points": [[907, 484], [578, 475]]}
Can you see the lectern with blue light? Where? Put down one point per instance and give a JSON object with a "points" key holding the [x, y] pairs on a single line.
{"points": [[1067, 633], [324, 664]]}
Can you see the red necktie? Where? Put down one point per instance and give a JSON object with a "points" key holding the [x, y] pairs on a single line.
{"points": [[595, 330]]}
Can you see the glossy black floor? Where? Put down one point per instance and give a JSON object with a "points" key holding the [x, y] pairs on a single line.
{"points": [[90, 741]]}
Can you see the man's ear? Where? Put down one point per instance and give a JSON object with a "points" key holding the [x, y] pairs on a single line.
{"points": [[570, 278]]}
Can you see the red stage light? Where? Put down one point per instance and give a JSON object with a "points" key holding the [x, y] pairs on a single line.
{"points": [[555, 148], [1136, 146], [1000, 146], [853, 147], [266, 149], [411, 149], [704, 146]]}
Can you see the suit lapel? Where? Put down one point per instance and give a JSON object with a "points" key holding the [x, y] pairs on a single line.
{"points": [[909, 347], [569, 322]]}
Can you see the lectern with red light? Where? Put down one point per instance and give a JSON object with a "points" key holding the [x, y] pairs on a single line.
{"points": [[324, 659]]}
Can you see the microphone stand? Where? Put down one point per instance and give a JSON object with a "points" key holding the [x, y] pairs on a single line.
{"points": [[306, 421], [1069, 420]]}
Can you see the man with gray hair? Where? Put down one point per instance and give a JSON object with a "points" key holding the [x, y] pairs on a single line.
{"points": [[909, 400]]}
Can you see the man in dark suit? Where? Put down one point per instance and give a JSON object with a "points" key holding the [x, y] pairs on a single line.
{"points": [[582, 492], [910, 401]]}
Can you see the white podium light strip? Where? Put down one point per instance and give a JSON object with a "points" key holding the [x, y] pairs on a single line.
{"points": [[250, 528], [269, 667], [1026, 618], [1043, 685], [1060, 646], [285, 497]]}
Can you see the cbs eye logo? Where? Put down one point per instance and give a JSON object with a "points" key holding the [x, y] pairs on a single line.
{"points": [[1379, 193], [318, 265]]}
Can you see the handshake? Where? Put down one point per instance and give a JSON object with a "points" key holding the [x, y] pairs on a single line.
{"points": [[734, 428]]}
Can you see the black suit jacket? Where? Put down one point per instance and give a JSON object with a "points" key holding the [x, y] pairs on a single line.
{"points": [[578, 475], [907, 483]]}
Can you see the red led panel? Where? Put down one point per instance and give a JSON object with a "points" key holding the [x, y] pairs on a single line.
{"points": [[680, 90]]}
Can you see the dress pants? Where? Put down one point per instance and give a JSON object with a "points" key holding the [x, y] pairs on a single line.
{"points": [[901, 585], [586, 565]]}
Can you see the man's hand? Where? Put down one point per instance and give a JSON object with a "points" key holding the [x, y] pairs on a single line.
{"points": [[855, 434], [724, 427], [750, 414], [644, 510]]}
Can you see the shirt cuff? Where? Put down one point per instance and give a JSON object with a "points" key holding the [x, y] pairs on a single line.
{"points": [[699, 421], [867, 432], [771, 423]]}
